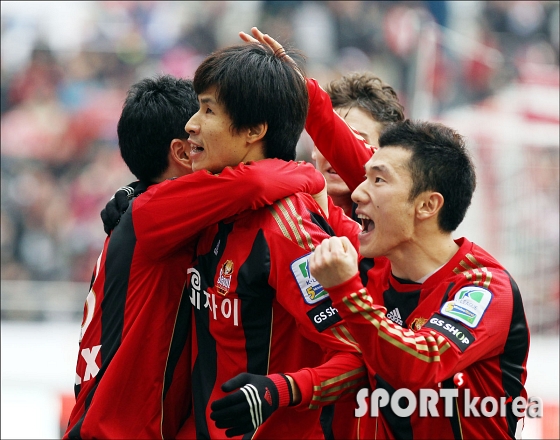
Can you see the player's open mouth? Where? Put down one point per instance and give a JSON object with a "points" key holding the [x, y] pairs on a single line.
{"points": [[195, 148], [367, 224]]}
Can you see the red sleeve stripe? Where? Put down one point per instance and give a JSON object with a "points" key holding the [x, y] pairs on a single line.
{"points": [[424, 348]]}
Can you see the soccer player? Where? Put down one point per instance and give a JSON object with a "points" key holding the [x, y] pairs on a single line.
{"points": [[133, 368], [257, 310], [426, 290], [435, 312], [367, 104]]}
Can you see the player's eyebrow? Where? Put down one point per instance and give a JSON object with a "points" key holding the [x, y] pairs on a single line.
{"points": [[207, 100], [379, 168]]}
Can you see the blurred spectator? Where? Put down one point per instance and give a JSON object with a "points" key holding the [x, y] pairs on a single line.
{"points": [[65, 70]]}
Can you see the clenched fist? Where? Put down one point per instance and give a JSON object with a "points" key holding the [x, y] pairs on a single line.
{"points": [[334, 261]]}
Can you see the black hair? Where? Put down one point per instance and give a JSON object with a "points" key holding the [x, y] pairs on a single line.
{"points": [[154, 113], [439, 162], [256, 85]]}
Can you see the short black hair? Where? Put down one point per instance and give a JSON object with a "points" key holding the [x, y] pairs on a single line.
{"points": [[256, 85], [440, 162], [154, 113]]}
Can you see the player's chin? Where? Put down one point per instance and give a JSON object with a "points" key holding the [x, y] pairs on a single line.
{"points": [[336, 186], [367, 243]]}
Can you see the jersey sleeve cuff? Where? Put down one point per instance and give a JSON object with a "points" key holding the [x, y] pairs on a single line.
{"points": [[304, 381], [352, 285]]}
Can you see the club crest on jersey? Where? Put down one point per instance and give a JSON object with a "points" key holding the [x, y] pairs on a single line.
{"points": [[468, 305], [309, 287], [224, 280], [417, 323]]}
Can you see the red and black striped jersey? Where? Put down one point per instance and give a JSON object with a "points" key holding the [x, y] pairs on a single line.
{"points": [[414, 335], [467, 319], [133, 370], [258, 309], [132, 366], [347, 151]]}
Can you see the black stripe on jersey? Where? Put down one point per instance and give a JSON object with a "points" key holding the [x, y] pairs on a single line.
{"points": [[74, 433], [117, 272], [405, 302], [180, 335], [205, 367], [364, 266], [320, 221], [256, 297], [120, 251], [401, 427], [513, 359], [446, 295], [326, 419], [93, 276], [454, 420]]}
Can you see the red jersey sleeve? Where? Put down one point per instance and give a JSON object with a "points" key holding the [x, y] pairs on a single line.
{"points": [[438, 350], [339, 378], [305, 300], [343, 226], [344, 148], [171, 214]]}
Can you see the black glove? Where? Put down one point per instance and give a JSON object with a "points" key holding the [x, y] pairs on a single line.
{"points": [[111, 214], [256, 400]]}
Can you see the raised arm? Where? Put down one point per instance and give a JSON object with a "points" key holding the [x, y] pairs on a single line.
{"points": [[442, 347], [343, 147], [169, 215]]}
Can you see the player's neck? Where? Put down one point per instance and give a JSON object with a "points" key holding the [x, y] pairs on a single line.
{"points": [[254, 152], [418, 258]]}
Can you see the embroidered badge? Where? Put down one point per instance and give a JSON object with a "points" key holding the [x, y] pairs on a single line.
{"points": [[224, 280], [417, 323], [309, 287], [468, 305]]}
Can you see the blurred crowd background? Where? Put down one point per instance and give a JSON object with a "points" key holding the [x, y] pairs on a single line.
{"points": [[489, 69], [66, 67]]}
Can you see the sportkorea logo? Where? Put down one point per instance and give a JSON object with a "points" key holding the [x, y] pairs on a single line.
{"points": [[224, 280]]}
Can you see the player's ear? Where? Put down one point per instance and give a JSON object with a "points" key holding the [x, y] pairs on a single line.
{"points": [[179, 150], [257, 132], [428, 204]]}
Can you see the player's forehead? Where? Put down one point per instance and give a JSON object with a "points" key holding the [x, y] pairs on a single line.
{"points": [[209, 96], [389, 160]]}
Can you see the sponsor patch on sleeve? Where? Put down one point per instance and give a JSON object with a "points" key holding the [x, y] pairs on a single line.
{"points": [[454, 331], [309, 287], [324, 315], [468, 305]]}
